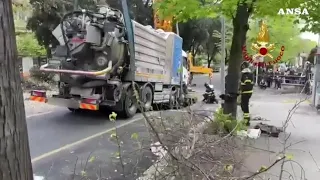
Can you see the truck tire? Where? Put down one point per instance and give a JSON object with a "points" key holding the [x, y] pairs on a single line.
{"points": [[130, 104], [173, 100], [185, 88], [74, 110], [147, 98]]}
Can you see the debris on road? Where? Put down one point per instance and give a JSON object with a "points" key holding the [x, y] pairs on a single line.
{"points": [[258, 118], [250, 133], [158, 150], [269, 129]]}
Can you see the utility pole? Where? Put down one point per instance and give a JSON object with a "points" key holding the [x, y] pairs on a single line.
{"points": [[177, 29], [223, 54], [75, 4], [259, 59], [316, 75]]}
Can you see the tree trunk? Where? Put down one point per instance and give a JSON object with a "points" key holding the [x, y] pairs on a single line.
{"points": [[208, 60], [227, 57], [240, 24], [48, 51], [15, 161]]}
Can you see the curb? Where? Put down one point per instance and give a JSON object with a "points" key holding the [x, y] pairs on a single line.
{"points": [[159, 167]]}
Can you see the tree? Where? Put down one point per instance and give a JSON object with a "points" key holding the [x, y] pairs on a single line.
{"points": [[283, 32], [14, 146], [312, 20], [211, 45], [239, 12], [228, 34], [311, 55], [28, 45], [194, 34], [306, 45]]}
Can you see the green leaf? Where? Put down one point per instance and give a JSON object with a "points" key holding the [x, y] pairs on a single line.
{"points": [[27, 45], [289, 156], [262, 169], [113, 135], [92, 159], [135, 136], [117, 155], [83, 173], [228, 168], [113, 116]]}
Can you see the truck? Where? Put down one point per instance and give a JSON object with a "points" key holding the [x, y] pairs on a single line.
{"points": [[105, 59]]}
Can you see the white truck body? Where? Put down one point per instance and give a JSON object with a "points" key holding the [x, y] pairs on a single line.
{"points": [[158, 55]]}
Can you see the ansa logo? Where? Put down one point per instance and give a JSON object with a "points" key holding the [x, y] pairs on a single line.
{"points": [[263, 48]]}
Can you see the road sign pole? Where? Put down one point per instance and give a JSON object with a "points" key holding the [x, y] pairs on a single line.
{"points": [[257, 74]]}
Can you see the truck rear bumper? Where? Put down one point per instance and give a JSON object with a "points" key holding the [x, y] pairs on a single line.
{"points": [[73, 103], [70, 103]]}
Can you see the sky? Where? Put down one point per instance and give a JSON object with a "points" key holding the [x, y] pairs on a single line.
{"points": [[309, 35]]}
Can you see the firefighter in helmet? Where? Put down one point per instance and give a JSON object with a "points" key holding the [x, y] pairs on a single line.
{"points": [[246, 89]]}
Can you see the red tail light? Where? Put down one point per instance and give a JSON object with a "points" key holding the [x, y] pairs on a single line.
{"points": [[77, 40], [38, 93], [90, 101]]}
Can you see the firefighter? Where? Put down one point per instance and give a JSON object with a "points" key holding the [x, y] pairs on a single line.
{"points": [[246, 89]]}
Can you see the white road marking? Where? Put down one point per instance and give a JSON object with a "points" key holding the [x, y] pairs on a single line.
{"points": [[38, 177], [50, 153], [67, 146], [38, 114]]}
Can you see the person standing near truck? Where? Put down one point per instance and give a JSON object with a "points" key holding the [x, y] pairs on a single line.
{"points": [[246, 90]]}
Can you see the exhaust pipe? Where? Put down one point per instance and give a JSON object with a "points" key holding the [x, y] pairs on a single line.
{"points": [[65, 71]]}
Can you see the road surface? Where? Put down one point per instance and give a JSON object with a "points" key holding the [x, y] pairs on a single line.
{"points": [[199, 80], [55, 134]]}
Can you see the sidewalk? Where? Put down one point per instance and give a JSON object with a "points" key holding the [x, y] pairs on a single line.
{"points": [[304, 140]]}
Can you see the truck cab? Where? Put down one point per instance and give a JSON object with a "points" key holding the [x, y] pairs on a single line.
{"points": [[185, 68]]}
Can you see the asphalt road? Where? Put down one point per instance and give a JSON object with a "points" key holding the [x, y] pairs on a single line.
{"points": [[61, 127], [56, 132], [199, 80]]}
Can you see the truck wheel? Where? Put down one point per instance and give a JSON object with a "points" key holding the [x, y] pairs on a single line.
{"points": [[185, 89], [74, 110], [130, 104], [173, 101], [148, 97]]}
